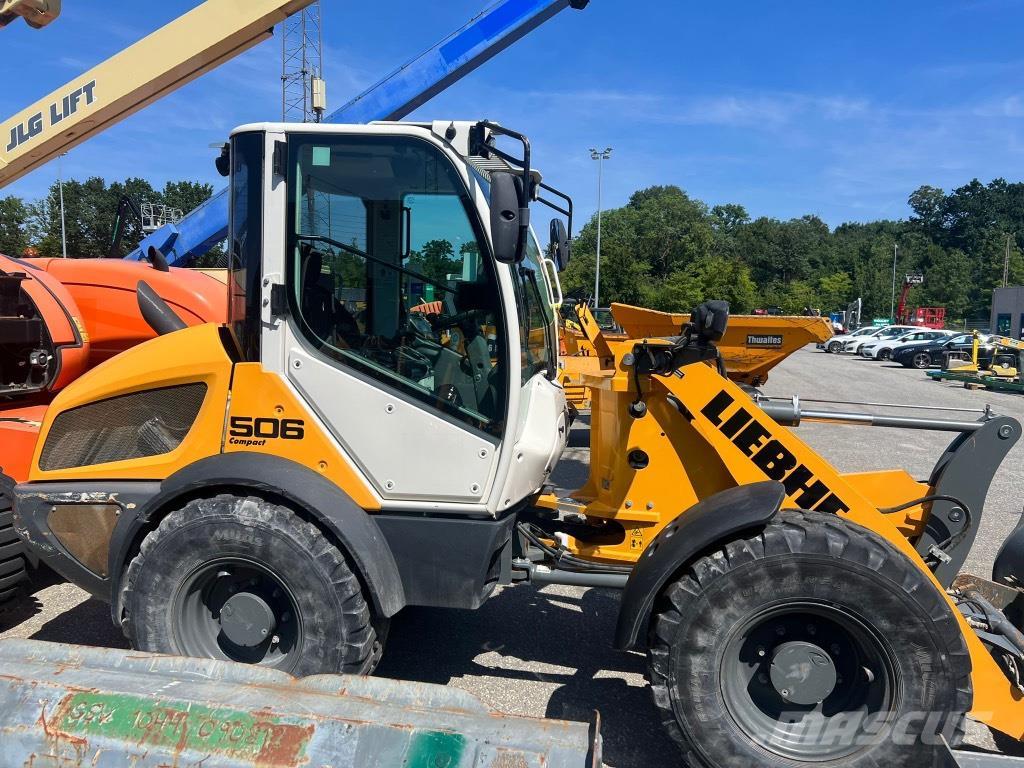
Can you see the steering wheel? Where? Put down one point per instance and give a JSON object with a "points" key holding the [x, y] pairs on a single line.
{"points": [[472, 316]]}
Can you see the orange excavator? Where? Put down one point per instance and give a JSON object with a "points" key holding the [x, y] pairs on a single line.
{"points": [[58, 319]]}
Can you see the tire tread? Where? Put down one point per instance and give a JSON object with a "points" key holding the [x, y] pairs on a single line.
{"points": [[361, 647], [809, 533]]}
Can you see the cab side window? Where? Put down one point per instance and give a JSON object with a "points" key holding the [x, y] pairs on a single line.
{"points": [[389, 274]]}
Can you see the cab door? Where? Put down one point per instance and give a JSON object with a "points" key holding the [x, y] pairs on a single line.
{"points": [[397, 334]]}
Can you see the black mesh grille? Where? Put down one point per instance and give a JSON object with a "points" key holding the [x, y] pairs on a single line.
{"points": [[125, 427]]}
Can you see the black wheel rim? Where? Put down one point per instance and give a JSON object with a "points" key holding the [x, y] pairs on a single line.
{"points": [[885, 354], [863, 684], [238, 610]]}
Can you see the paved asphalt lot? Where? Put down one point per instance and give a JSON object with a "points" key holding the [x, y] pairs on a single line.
{"points": [[547, 652]]}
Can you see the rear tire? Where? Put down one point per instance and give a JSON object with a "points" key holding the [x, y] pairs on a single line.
{"points": [[811, 591], [921, 360], [13, 566], [884, 354], [835, 347], [246, 580]]}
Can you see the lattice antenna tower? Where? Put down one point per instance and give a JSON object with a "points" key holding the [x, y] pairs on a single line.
{"points": [[303, 96], [303, 92]]}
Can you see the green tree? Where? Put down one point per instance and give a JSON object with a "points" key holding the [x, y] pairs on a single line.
{"points": [[947, 283], [678, 292], [436, 260], [670, 229], [14, 218], [185, 195], [834, 291], [728, 279]]}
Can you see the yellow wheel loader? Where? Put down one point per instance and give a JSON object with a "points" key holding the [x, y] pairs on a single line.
{"points": [[275, 489]]}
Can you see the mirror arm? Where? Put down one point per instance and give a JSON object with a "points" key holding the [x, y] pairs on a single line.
{"points": [[524, 233], [567, 211]]}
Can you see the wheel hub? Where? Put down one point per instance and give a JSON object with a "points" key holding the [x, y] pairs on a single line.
{"points": [[247, 620], [802, 673]]}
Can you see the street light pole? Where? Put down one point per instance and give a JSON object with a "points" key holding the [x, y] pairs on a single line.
{"points": [[60, 186], [600, 157], [892, 304]]}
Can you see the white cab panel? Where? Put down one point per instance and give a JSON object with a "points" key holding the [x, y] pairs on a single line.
{"points": [[540, 438], [405, 450]]}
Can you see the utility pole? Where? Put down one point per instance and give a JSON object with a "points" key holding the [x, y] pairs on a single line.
{"points": [[60, 186], [1006, 263], [600, 157], [892, 304]]}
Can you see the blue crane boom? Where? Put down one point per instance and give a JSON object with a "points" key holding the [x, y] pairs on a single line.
{"points": [[394, 97]]}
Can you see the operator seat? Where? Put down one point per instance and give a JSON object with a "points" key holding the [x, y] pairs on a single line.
{"points": [[478, 303]]}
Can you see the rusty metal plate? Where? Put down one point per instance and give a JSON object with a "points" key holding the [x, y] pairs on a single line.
{"points": [[84, 530], [71, 706]]}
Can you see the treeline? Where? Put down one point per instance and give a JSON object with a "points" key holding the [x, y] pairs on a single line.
{"points": [[668, 251], [90, 210]]}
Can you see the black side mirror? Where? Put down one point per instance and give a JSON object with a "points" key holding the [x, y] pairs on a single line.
{"points": [[559, 239], [223, 161], [510, 218]]}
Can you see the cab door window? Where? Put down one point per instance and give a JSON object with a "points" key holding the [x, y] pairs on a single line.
{"points": [[390, 275]]}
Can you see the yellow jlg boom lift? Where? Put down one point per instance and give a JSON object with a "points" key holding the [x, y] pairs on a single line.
{"points": [[36, 13], [274, 490]]}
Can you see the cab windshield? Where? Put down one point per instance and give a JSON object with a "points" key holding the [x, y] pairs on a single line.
{"points": [[536, 316]]}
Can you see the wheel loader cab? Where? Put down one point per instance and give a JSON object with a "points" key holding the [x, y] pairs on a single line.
{"points": [[363, 273], [386, 375]]}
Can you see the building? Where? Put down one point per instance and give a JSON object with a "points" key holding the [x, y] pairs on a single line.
{"points": [[1008, 311]]}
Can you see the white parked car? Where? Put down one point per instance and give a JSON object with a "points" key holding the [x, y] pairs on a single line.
{"points": [[882, 349], [851, 342], [835, 344], [885, 333]]}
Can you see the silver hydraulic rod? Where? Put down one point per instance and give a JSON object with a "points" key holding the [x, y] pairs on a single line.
{"points": [[790, 413], [986, 410], [542, 574], [900, 422]]}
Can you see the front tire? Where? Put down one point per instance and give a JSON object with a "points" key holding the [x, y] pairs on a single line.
{"points": [[814, 642], [884, 354], [246, 580], [13, 566]]}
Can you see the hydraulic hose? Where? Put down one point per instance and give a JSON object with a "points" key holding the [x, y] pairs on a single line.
{"points": [[950, 541], [997, 620]]}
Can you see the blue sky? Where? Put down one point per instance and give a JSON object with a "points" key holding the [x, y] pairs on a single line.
{"points": [[836, 109]]}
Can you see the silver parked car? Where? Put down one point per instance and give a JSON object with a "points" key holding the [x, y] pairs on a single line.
{"points": [[882, 349]]}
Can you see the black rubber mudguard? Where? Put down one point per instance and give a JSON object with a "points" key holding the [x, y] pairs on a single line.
{"points": [[709, 522]]}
